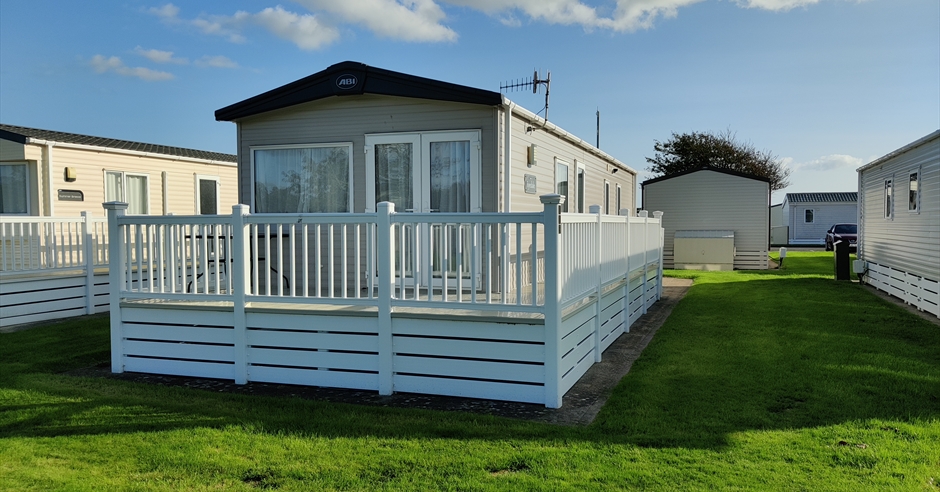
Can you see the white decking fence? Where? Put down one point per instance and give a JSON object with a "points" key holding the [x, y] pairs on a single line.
{"points": [[920, 292], [513, 306], [48, 268]]}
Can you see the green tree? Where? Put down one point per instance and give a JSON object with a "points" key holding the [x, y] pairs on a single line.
{"points": [[688, 151]]}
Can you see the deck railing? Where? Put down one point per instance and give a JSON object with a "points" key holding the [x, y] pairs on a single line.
{"points": [[35, 244]]}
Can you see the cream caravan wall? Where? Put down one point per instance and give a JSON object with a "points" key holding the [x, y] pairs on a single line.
{"points": [[350, 119], [90, 166], [907, 240], [551, 149], [710, 200]]}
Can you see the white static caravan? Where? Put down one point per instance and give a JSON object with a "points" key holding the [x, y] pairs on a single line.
{"points": [[405, 236], [53, 234], [809, 215], [706, 204], [899, 223]]}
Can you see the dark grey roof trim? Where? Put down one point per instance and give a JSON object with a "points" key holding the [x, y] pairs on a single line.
{"points": [[22, 134], [706, 168], [357, 78], [825, 197]]}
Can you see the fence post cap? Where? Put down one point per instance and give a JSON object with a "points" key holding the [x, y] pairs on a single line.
{"points": [[658, 214], [390, 206], [644, 213], [552, 199], [114, 205], [594, 209], [240, 209]]}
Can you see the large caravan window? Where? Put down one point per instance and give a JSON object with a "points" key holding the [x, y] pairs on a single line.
{"points": [[133, 189], [561, 183], [913, 193], [889, 191], [308, 179], [14, 189]]}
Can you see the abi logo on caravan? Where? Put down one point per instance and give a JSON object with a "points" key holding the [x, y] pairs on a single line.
{"points": [[346, 81]]}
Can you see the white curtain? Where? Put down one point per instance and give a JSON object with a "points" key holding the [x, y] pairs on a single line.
{"points": [[393, 175], [113, 187], [304, 180], [450, 176], [136, 187], [561, 184], [14, 183]]}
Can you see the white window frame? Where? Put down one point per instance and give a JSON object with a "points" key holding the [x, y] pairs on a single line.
{"points": [[29, 185], [889, 198], [349, 152], [558, 162], [422, 164], [812, 212], [124, 175], [920, 186], [197, 199]]}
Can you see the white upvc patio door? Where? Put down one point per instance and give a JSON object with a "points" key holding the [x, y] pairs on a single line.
{"points": [[429, 172]]}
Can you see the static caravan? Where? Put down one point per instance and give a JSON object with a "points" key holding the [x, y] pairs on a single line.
{"points": [[899, 223], [350, 136], [714, 219], [53, 233], [809, 215], [779, 232]]}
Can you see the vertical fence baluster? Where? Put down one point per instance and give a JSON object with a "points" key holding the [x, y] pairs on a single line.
{"points": [[293, 256], [319, 267], [344, 255], [358, 260], [306, 267]]}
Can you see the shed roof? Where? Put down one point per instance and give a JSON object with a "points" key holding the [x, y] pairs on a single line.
{"points": [[22, 134], [706, 168], [828, 197], [353, 78]]}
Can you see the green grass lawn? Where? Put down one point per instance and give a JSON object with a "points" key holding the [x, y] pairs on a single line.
{"points": [[778, 380]]}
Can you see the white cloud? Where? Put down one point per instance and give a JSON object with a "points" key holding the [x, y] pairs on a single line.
{"points": [[406, 20], [825, 163], [775, 5], [114, 64], [425, 20], [158, 56], [305, 31], [216, 62]]}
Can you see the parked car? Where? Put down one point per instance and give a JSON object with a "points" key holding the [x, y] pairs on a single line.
{"points": [[842, 232]]}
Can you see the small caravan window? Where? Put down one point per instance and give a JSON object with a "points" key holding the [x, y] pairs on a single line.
{"points": [[580, 190], [913, 193], [561, 183], [617, 210], [14, 189], [607, 197], [889, 191], [133, 189], [808, 215]]}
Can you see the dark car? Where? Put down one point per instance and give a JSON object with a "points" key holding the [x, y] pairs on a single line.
{"points": [[842, 232]]}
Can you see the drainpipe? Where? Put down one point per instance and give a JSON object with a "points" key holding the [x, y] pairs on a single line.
{"points": [[47, 164], [507, 155]]}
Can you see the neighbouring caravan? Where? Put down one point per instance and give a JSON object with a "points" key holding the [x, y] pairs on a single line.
{"points": [[899, 223], [53, 234], [359, 135], [809, 215], [708, 207]]}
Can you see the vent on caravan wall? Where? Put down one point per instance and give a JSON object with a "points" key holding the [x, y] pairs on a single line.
{"points": [[534, 83]]}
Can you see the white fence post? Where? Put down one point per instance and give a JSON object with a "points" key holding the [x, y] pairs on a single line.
{"points": [[645, 215], [662, 232], [625, 213], [385, 261], [598, 250], [116, 253], [87, 255], [551, 223], [240, 268]]}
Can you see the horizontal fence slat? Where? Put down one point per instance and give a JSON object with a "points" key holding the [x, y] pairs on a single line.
{"points": [[313, 340], [470, 369], [180, 368], [313, 377], [314, 359], [180, 350], [469, 348]]}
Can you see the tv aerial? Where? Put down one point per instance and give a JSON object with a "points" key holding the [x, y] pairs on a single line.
{"points": [[535, 83]]}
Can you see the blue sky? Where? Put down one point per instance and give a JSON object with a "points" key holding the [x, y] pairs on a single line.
{"points": [[826, 85]]}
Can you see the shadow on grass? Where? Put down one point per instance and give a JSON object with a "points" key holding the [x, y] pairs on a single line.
{"points": [[762, 354]]}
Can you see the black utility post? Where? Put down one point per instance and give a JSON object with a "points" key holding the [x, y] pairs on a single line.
{"points": [[841, 258]]}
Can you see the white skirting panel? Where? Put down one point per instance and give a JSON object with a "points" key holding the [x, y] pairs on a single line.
{"points": [[612, 318], [920, 292], [478, 359], [48, 297]]}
